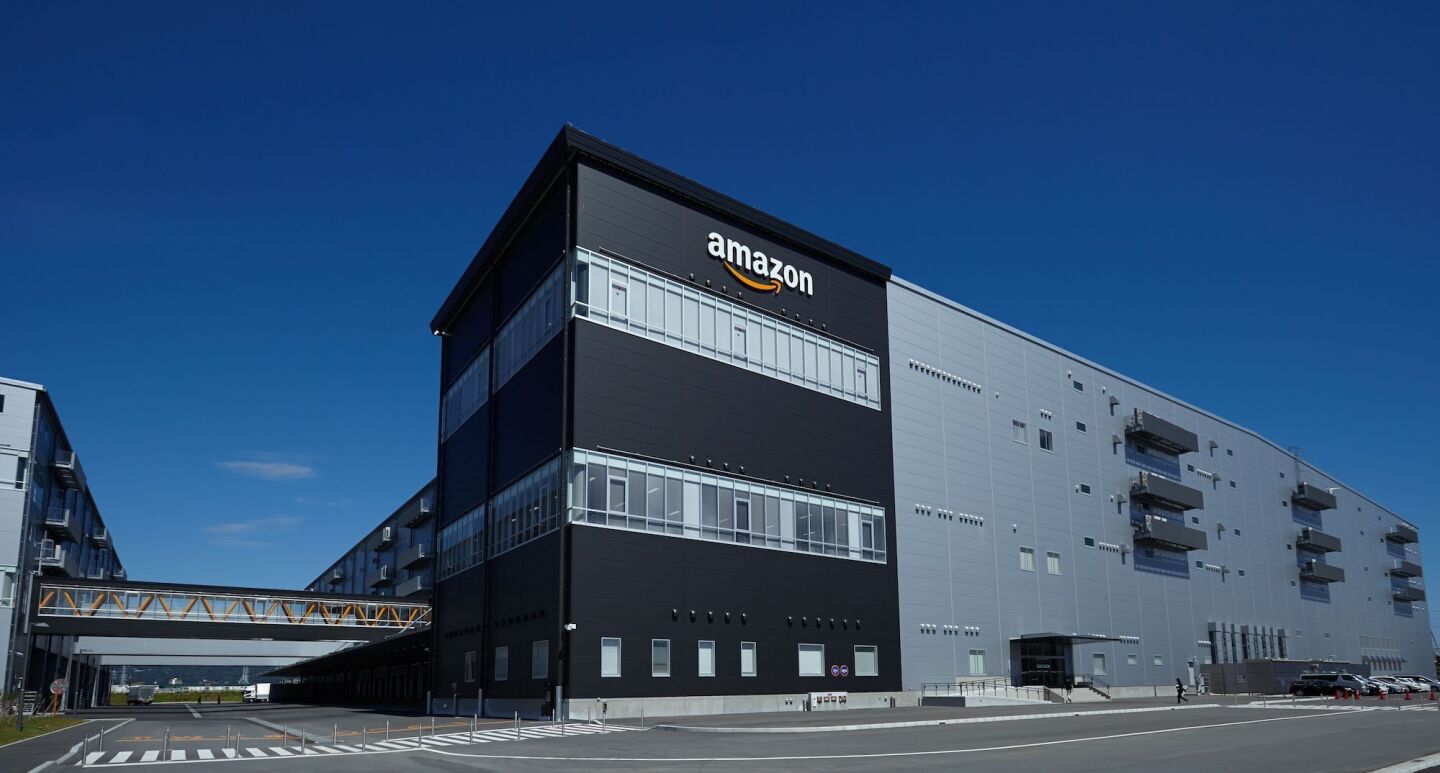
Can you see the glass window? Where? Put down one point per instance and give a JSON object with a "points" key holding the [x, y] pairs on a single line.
{"points": [[812, 659], [628, 298], [540, 659], [1132, 659], [20, 463], [502, 663], [977, 662], [659, 657], [609, 657], [1052, 562], [1047, 440], [1080, 425], [867, 660], [1159, 660], [466, 395], [1079, 387], [1027, 559], [747, 658], [1084, 488], [1097, 664], [470, 666], [706, 658], [617, 494], [1017, 431]]}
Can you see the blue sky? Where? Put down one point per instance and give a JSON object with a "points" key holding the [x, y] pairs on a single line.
{"points": [[223, 229]]}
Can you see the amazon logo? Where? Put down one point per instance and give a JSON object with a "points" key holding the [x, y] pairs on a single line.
{"points": [[774, 274]]}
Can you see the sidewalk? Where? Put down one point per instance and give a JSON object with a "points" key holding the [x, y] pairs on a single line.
{"points": [[799, 720], [31, 753]]}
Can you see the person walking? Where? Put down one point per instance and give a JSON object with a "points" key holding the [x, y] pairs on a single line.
{"points": [[1069, 685], [1180, 691]]}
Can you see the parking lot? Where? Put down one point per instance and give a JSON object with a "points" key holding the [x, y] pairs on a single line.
{"points": [[1281, 733]]}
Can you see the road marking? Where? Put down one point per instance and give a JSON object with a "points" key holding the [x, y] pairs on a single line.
{"points": [[92, 757], [177, 754], [254, 752], [121, 756], [205, 754], [325, 749], [150, 756], [343, 747], [281, 751], [193, 712], [230, 753], [881, 755]]}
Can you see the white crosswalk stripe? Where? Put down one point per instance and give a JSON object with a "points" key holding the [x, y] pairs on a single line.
{"points": [[413, 743]]}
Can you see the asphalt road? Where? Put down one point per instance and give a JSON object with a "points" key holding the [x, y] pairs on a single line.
{"points": [[1320, 737]]}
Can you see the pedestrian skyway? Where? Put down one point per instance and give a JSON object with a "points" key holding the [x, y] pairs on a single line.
{"points": [[163, 610]]}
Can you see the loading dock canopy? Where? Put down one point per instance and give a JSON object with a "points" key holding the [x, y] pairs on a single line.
{"points": [[1066, 637]]}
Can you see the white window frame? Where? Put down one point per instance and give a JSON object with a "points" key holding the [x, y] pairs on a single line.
{"points": [[700, 653], [1159, 660], [1132, 659], [1020, 432], [1027, 559], [1047, 441], [1052, 562], [653, 670], [619, 651], [502, 655], [973, 662], [624, 288], [1099, 664], [540, 659], [875, 658], [804, 647], [754, 669]]}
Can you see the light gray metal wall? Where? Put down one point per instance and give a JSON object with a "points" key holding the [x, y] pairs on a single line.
{"points": [[968, 497]]}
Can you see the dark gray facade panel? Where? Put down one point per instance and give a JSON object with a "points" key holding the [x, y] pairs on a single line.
{"points": [[1157, 431], [639, 587], [1153, 488], [527, 413], [639, 397], [1172, 535], [465, 467], [646, 227], [1319, 541]]}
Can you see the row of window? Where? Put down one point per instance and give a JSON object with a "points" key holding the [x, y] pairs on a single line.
{"points": [[610, 490], [539, 662], [644, 496], [627, 298], [1027, 560], [810, 659], [538, 319]]}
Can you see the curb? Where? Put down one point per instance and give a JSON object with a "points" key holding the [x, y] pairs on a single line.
{"points": [[921, 722], [1412, 766]]}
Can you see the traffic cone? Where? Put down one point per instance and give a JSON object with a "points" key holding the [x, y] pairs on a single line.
{"points": [[1383, 690], [1432, 693], [1407, 695], [1337, 695]]}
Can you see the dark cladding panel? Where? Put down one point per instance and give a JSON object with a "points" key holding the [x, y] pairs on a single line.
{"points": [[655, 230], [538, 247], [1319, 571], [626, 585], [1175, 536], [1159, 432], [469, 333], [528, 414], [1317, 540], [1153, 488], [640, 397], [465, 458], [459, 612], [523, 611]]}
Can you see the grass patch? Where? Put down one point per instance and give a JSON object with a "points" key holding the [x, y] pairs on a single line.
{"points": [[227, 696], [33, 726]]}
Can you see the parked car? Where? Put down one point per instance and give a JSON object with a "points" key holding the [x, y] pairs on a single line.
{"points": [[1430, 682], [1373, 687], [1307, 686], [1329, 683], [1395, 685], [1415, 685]]}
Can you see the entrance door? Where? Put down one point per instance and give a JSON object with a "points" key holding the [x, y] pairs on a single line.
{"points": [[1043, 662]]}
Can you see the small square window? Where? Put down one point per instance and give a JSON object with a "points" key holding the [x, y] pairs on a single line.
{"points": [[867, 659], [1199, 564], [1232, 484], [1159, 660], [1084, 488], [1282, 474], [1089, 542], [1027, 559], [1242, 572], [1077, 386], [1237, 532], [1190, 467], [1047, 441], [1132, 659], [1195, 519], [1229, 452], [1080, 425]]}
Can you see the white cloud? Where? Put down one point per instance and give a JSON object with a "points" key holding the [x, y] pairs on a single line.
{"points": [[242, 533], [270, 470]]}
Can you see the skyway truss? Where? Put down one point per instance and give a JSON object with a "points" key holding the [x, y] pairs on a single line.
{"points": [[72, 606]]}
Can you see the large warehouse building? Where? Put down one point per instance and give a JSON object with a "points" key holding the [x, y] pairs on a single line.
{"points": [[693, 458]]}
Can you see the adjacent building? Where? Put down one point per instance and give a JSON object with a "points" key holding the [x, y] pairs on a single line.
{"points": [[49, 525], [394, 559], [692, 458]]}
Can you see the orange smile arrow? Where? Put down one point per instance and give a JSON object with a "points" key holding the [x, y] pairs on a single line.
{"points": [[772, 287]]}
